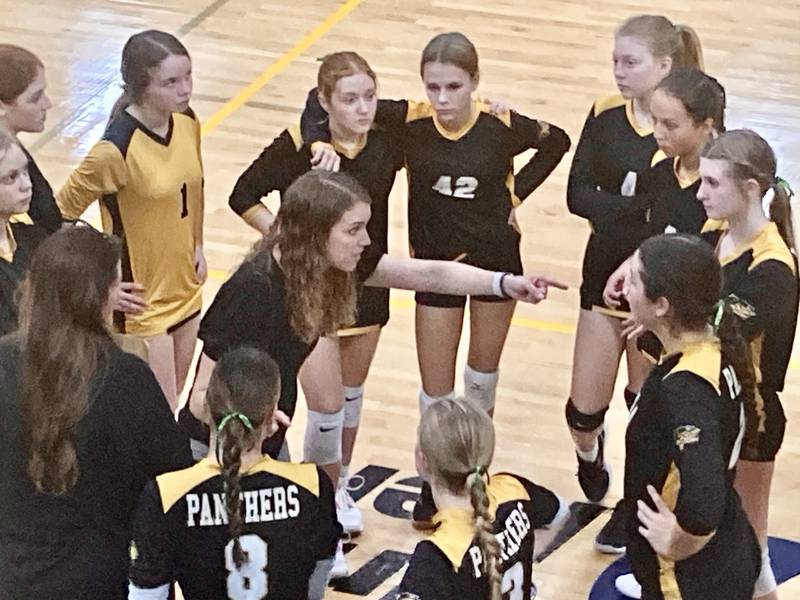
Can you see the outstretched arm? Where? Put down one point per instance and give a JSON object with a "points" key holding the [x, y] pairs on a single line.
{"points": [[448, 277]]}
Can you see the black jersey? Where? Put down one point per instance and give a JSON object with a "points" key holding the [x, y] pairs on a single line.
{"points": [[373, 164], [462, 185], [672, 200], [75, 545], [181, 532], [448, 564], [763, 273], [24, 240], [612, 154], [250, 310], [43, 210], [683, 437]]}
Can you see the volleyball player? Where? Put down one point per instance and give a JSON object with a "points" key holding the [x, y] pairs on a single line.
{"points": [[347, 89], [462, 194], [238, 524], [148, 175], [17, 240], [689, 537], [616, 146], [482, 547], [83, 427], [23, 109], [687, 108], [753, 237], [300, 283]]}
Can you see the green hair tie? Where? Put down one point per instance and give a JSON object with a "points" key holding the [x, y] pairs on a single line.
{"points": [[718, 315], [235, 415], [782, 183]]}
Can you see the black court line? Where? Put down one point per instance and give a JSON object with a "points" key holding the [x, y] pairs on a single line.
{"points": [[76, 115]]}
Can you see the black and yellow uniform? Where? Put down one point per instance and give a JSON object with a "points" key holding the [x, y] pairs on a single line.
{"points": [[612, 154], [672, 205], [250, 310], [43, 210], [75, 545], [373, 163], [24, 239], [151, 195], [683, 438], [763, 273], [181, 532], [462, 185], [448, 564]]}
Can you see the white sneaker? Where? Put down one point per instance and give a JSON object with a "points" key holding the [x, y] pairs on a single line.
{"points": [[340, 568], [347, 513], [628, 586]]}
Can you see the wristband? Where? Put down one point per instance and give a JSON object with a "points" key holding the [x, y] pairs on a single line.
{"points": [[497, 285]]}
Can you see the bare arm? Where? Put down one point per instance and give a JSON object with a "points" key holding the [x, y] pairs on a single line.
{"points": [[197, 399], [448, 277]]}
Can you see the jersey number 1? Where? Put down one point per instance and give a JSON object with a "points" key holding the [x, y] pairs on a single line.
{"points": [[249, 582], [184, 204], [465, 187]]}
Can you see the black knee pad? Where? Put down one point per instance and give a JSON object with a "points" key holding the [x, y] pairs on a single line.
{"points": [[580, 421]]}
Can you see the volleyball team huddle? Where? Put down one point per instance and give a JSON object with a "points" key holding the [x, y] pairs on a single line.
{"points": [[110, 489]]}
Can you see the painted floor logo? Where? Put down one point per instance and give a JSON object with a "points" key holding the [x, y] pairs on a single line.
{"points": [[785, 555]]}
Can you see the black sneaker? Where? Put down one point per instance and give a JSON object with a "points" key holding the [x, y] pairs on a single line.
{"points": [[424, 509], [613, 537], [595, 476]]}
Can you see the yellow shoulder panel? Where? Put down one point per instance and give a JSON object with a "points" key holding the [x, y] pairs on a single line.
{"points": [[175, 485], [704, 360], [297, 137], [601, 105], [769, 245], [658, 157], [455, 530], [304, 475]]}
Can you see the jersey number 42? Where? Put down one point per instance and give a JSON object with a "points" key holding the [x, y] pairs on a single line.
{"points": [[464, 188]]}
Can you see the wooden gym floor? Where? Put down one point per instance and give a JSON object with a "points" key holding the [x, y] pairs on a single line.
{"points": [[254, 62]]}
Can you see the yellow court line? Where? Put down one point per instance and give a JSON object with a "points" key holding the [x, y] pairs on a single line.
{"points": [[278, 66]]}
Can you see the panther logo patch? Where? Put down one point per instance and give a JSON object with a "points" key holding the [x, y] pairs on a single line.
{"points": [[685, 435]]}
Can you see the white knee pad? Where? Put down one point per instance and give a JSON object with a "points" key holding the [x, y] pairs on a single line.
{"points": [[353, 402], [426, 401], [766, 578], [480, 388], [323, 440]]}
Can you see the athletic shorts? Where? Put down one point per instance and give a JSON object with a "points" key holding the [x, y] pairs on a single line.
{"points": [[508, 261], [372, 310]]}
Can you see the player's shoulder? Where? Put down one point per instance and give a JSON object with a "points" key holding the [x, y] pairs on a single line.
{"points": [[508, 487], [174, 485], [605, 104], [698, 363], [118, 134], [304, 475]]}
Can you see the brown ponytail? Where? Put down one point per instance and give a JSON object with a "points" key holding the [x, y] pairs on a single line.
{"points": [[780, 212], [737, 353], [241, 397], [457, 439], [487, 541]]}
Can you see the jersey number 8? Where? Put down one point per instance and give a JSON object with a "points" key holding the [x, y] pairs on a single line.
{"points": [[513, 580], [465, 187], [250, 581]]}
